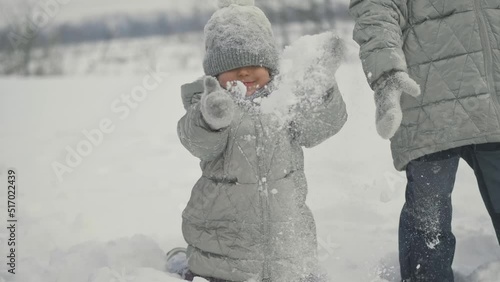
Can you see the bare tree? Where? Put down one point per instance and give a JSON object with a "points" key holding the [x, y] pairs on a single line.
{"points": [[21, 35], [26, 20]]}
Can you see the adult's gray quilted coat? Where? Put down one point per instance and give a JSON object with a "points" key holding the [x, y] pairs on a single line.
{"points": [[451, 49], [247, 216]]}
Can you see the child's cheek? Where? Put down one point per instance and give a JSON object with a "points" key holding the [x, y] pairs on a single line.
{"points": [[222, 83]]}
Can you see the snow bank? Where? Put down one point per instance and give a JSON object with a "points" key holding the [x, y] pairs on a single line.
{"points": [[135, 259]]}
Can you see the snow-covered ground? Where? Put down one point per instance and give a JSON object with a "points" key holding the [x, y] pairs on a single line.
{"points": [[118, 207]]}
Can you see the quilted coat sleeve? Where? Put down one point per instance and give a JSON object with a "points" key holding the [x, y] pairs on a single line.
{"points": [[193, 131], [314, 125], [378, 31]]}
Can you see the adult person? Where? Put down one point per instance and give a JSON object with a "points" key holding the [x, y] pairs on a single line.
{"points": [[435, 69]]}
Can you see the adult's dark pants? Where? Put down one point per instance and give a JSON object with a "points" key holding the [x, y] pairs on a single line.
{"points": [[426, 242]]}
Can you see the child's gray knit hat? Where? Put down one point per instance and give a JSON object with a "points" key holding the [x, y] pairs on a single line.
{"points": [[239, 35]]}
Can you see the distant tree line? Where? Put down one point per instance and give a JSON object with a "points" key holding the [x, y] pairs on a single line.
{"points": [[22, 37], [128, 26]]}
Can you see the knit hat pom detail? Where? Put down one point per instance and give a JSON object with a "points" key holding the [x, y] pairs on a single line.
{"points": [[227, 3]]}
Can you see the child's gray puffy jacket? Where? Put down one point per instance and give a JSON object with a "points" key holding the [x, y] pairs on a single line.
{"points": [[247, 216]]}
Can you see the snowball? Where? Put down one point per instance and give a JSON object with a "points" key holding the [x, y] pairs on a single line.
{"points": [[237, 88], [307, 72]]}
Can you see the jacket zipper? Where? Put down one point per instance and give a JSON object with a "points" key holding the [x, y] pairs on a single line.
{"points": [[263, 194], [485, 42]]}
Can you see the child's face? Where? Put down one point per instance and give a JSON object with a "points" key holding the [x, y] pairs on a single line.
{"points": [[253, 78]]}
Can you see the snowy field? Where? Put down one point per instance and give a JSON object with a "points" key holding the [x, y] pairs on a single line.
{"points": [[116, 209]]}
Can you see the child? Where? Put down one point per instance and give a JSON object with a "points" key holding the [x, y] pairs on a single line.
{"points": [[247, 217]]}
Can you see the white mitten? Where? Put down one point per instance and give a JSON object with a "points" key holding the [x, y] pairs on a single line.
{"points": [[217, 106], [387, 100]]}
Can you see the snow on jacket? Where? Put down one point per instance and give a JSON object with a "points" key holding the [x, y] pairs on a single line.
{"points": [[247, 216], [451, 49]]}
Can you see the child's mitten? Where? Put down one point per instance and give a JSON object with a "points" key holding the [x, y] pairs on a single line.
{"points": [[387, 100], [309, 65], [217, 106], [334, 53]]}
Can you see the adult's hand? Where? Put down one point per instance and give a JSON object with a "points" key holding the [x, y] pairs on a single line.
{"points": [[388, 93]]}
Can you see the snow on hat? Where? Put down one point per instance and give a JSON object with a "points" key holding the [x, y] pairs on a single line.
{"points": [[239, 35]]}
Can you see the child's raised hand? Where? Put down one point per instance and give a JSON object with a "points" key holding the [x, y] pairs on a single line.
{"points": [[308, 66], [217, 106]]}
